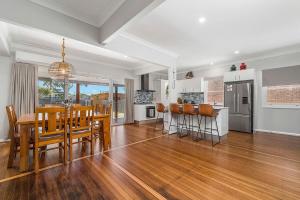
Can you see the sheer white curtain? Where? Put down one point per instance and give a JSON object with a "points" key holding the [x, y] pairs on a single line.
{"points": [[24, 88], [129, 100]]}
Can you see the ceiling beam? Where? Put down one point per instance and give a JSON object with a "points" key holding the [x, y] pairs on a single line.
{"points": [[127, 13], [26, 13], [140, 49]]}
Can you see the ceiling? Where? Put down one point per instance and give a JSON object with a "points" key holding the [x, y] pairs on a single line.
{"points": [[249, 26], [41, 42], [93, 12]]}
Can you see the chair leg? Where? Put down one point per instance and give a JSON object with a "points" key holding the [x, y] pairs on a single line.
{"points": [[156, 121], [70, 149], [12, 150], [36, 159], [92, 144], [163, 125], [170, 123], [65, 150], [211, 132], [218, 130]]}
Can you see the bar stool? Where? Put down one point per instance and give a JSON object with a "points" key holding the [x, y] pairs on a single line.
{"points": [[160, 108], [188, 110], [206, 110], [175, 113]]}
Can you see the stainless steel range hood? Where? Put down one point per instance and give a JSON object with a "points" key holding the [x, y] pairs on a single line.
{"points": [[145, 83]]}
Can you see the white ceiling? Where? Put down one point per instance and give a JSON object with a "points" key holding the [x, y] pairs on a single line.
{"points": [[41, 42], [94, 12], [250, 26]]}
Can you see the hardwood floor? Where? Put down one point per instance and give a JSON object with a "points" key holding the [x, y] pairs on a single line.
{"points": [[144, 164]]}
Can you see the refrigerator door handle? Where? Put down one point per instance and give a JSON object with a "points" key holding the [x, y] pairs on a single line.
{"points": [[238, 102], [234, 102]]}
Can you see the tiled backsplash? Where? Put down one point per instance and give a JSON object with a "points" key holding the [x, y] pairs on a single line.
{"points": [[193, 97], [143, 97]]}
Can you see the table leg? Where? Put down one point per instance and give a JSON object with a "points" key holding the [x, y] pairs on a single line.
{"points": [[24, 148], [106, 130]]}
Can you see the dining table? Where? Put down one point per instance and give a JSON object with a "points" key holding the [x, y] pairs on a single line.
{"points": [[27, 122]]}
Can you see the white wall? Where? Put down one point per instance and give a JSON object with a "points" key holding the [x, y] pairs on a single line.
{"points": [[5, 71], [286, 121]]}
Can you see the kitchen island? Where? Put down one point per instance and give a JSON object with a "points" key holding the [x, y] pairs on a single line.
{"points": [[222, 120]]}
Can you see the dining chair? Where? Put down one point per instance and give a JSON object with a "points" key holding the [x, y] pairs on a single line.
{"points": [[50, 129], [14, 135], [81, 127]]}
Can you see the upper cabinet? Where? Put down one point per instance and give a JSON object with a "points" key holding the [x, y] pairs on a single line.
{"points": [[241, 75], [188, 85]]}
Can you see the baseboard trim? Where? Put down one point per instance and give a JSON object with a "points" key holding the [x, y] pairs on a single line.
{"points": [[3, 141], [277, 132]]}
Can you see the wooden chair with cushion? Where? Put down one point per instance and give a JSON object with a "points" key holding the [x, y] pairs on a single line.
{"points": [[52, 129], [14, 135], [207, 111], [98, 125], [81, 126]]}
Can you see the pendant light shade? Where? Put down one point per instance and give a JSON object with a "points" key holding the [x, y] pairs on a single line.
{"points": [[61, 70]]}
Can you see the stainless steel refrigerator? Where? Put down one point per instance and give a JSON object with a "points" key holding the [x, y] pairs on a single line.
{"points": [[238, 97]]}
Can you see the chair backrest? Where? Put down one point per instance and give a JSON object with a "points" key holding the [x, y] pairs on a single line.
{"points": [[160, 107], [188, 108], [108, 109], [12, 119], [100, 108], [52, 120], [53, 105], [206, 110], [81, 117], [174, 108]]}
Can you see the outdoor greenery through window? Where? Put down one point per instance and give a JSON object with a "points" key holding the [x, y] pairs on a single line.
{"points": [[283, 95], [52, 92]]}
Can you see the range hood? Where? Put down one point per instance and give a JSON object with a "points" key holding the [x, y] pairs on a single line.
{"points": [[145, 83]]}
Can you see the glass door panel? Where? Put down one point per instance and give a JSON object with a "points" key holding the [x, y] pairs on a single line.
{"points": [[118, 104]]}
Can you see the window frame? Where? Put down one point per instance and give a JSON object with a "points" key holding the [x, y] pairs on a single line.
{"points": [[265, 104], [206, 91]]}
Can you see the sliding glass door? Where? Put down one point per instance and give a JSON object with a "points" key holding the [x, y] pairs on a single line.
{"points": [[118, 104]]}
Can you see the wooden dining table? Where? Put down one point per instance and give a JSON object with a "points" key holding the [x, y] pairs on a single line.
{"points": [[27, 121]]}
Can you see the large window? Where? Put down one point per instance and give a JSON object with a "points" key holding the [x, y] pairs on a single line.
{"points": [[52, 92], [288, 95], [215, 91]]}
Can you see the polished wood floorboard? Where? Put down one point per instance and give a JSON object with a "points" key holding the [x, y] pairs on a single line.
{"points": [[243, 166]]}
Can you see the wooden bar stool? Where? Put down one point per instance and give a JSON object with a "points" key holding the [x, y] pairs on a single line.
{"points": [[188, 110], [206, 110], [175, 113], [160, 108]]}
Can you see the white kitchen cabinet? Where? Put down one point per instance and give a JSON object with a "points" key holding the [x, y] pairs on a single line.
{"points": [[241, 75], [188, 85]]}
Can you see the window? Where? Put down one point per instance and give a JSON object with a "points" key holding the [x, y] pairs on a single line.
{"points": [[283, 95], [215, 91], [93, 93], [281, 87], [52, 92]]}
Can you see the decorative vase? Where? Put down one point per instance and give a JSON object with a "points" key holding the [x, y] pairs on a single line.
{"points": [[233, 68], [243, 66]]}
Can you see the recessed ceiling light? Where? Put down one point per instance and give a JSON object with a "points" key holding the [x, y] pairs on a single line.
{"points": [[211, 63], [125, 56], [236, 52], [202, 20]]}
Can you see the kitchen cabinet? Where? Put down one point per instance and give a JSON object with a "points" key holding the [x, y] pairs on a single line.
{"points": [[188, 85], [241, 75]]}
